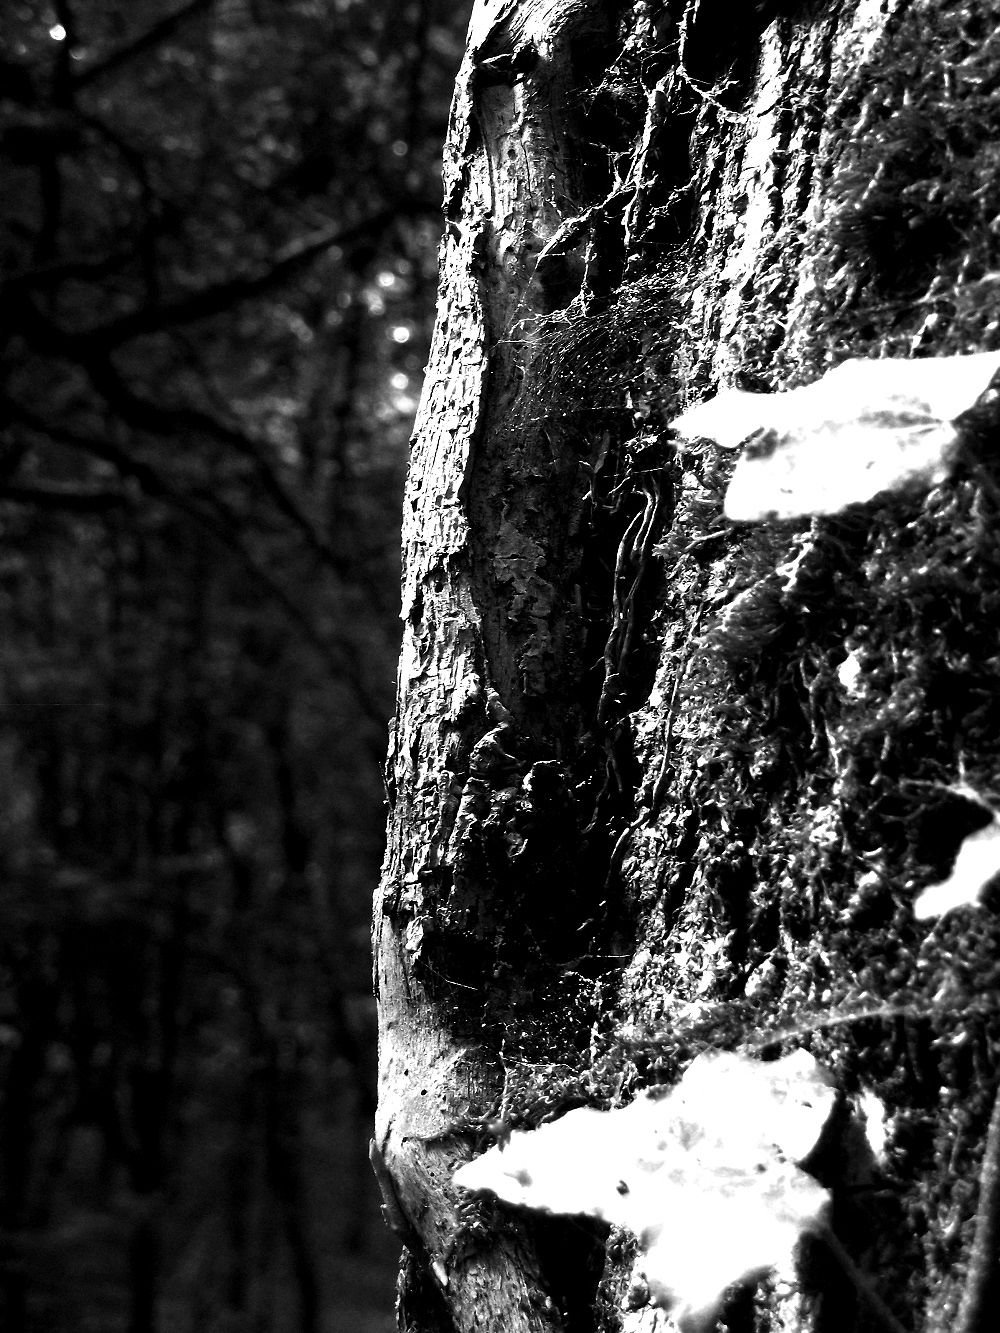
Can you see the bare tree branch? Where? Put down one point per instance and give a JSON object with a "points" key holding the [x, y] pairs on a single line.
{"points": [[47, 275], [220, 297], [73, 499], [342, 658], [161, 419], [165, 420], [158, 33]]}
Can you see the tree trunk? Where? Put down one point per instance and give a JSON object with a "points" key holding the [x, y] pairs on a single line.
{"points": [[661, 782]]}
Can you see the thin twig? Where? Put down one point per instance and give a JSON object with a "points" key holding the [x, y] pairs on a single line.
{"points": [[146, 41], [858, 1279]]}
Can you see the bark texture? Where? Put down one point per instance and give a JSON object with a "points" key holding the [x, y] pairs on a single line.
{"points": [[659, 782]]}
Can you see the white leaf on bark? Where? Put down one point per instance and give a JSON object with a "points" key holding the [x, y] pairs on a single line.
{"points": [[863, 428], [704, 1175], [977, 863]]}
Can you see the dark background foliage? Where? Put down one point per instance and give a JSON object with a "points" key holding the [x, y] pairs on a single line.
{"points": [[218, 229]]}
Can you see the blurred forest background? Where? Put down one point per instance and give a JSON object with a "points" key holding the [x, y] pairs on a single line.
{"points": [[219, 224]]}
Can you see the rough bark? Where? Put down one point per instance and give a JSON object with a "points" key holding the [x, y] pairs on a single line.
{"points": [[636, 809]]}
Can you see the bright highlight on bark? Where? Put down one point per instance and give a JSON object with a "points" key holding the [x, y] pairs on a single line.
{"points": [[704, 1175], [874, 1122], [863, 428]]}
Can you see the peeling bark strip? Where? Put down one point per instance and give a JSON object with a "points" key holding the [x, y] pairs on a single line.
{"points": [[660, 782]]}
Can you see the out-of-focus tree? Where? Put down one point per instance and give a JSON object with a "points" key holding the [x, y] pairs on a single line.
{"points": [[217, 257]]}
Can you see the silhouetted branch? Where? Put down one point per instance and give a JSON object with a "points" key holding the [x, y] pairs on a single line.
{"points": [[222, 524], [223, 296], [153, 36], [48, 275], [74, 499], [164, 420]]}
